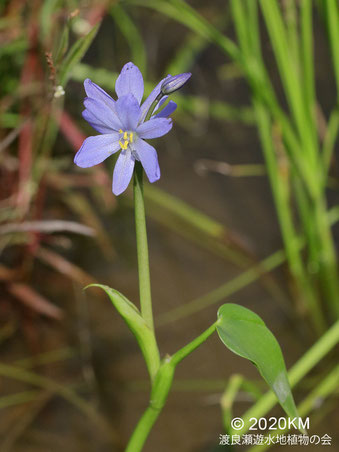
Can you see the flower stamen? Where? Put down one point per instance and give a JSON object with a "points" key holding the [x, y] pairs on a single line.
{"points": [[127, 138]]}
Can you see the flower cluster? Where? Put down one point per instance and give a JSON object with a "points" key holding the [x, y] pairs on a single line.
{"points": [[124, 124]]}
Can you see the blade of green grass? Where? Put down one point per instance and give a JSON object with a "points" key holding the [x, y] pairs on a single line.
{"points": [[75, 54], [131, 33], [34, 379], [224, 291]]}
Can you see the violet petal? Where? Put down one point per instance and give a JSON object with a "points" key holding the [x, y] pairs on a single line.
{"points": [[150, 99], [160, 103], [128, 111], [96, 123], [167, 111], [148, 158], [154, 128], [96, 149], [103, 113], [95, 92], [123, 171], [130, 81]]}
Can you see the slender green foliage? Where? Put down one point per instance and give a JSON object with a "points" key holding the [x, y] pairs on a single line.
{"points": [[290, 143]]}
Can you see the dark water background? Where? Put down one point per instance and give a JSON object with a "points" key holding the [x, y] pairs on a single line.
{"points": [[107, 360]]}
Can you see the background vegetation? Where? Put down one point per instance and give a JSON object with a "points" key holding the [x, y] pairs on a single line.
{"points": [[245, 211]]}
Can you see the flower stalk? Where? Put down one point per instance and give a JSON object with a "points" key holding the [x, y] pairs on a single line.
{"points": [[160, 390], [142, 248], [140, 219]]}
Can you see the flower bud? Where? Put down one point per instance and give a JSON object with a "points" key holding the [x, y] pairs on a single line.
{"points": [[174, 83]]}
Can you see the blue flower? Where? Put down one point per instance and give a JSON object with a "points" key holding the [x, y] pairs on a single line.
{"points": [[174, 83], [122, 125]]}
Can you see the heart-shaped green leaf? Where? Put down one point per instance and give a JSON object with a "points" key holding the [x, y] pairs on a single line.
{"points": [[245, 334], [137, 325]]}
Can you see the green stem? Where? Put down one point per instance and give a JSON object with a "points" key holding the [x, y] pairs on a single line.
{"points": [[189, 348], [142, 248], [332, 14], [228, 398], [280, 189], [160, 389], [328, 270], [329, 141], [142, 430], [153, 105]]}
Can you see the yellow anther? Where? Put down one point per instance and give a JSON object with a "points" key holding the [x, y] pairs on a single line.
{"points": [[128, 138]]}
